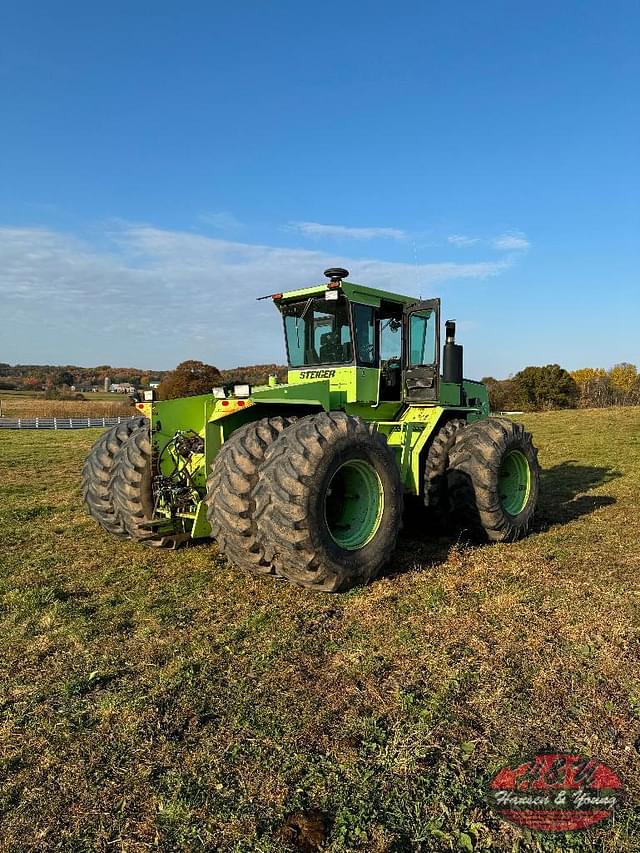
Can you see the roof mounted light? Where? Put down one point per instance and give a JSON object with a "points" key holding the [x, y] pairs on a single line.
{"points": [[274, 296], [242, 390], [336, 274], [219, 393]]}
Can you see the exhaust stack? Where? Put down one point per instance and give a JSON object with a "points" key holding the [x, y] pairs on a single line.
{"points": [[452, 356]]}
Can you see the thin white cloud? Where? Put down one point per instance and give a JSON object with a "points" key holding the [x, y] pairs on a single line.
{"points": [[155, 297], [461, 240], [514, 240], [222, 220], [317, 229]]}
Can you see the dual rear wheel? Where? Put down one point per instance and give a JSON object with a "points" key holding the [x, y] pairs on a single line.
{"points": [[317, 500], [98, 475], [493, 479], [116, 484]]}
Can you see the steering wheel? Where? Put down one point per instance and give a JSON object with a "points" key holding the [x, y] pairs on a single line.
{"points": [[391, 362]]}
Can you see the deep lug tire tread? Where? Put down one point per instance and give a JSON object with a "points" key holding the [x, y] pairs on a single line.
{"points": [[474, 463], [436, 493], [97, 475], [230, 505], [288, 496], [132, 490]]}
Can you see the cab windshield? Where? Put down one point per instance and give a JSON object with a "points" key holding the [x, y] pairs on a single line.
{"points": [[318, 331]]}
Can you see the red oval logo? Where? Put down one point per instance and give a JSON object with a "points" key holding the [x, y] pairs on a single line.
{"points": [[555, 792]]}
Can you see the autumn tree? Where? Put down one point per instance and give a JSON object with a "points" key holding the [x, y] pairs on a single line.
{"points": [[503, 394], [32, 383], [255, 374], [189, 379], [594, 387], [625, 383], [63, 377], [548, 387]]}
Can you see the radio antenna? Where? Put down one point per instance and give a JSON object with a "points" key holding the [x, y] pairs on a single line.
{"points": [[415, 261]]}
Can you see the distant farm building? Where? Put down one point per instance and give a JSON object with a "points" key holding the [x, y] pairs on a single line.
{"points": [[85, 389], [122, 388]]}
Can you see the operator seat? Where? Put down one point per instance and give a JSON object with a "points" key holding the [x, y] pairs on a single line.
{"points": [[330, 348]]}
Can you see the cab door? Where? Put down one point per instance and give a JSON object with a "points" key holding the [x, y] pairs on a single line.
{"points": [[421, 351]]}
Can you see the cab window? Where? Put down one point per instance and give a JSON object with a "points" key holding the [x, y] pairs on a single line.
{"points": [[422, 338], [390, 339], [365, 331], [318, 331]]}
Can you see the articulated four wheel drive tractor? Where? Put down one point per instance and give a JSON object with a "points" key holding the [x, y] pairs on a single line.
{"points": [[306, 480]]}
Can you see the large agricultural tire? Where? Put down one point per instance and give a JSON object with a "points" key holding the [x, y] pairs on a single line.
{"points": [[436, 492], [230, 506], [97, 476], [494, 479], [132, 491], [328, 502]]}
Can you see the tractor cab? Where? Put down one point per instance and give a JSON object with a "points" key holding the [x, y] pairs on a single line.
{"points": [[372, 345]]}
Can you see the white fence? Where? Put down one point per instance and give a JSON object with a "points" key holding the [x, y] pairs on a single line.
{"points": [[59, 423]]}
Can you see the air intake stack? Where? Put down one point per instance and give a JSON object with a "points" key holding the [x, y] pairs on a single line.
{"points": [[452, 356]]}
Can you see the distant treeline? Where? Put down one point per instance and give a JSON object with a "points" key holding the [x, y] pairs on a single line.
{"points": [[552, 387], [532, 389], [255, 374], [40, 377]]}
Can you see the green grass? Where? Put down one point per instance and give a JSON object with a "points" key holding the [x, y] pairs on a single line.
{"points": [[158, 700]]}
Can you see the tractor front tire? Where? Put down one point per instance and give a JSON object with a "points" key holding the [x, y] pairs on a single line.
{"points": [[230, 506], [97, 475], [494, 479], [436, 492], [328, 502]]}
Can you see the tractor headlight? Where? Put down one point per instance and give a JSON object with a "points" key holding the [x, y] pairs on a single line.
{"points": [[242, 390], [149, 396], [220, 393]]}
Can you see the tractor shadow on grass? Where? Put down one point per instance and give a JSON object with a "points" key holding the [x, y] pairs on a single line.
{"points": [[562, 492], [419, 544], [562, 500]]}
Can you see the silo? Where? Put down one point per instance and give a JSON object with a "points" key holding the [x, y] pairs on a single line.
{"points": [[107, 383]]}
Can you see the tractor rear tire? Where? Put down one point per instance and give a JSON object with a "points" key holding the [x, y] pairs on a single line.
{"points": [[328, 502], [97, 475], [230, 506], [436, 493], [132, 490], [494, 479]]}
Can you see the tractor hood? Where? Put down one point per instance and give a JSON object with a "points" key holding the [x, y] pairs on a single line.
{"points": [[311, 392]]}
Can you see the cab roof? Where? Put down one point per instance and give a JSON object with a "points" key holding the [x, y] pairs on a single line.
{"points": [[354, 293]]}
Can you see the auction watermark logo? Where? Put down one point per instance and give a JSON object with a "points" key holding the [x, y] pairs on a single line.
{"points": [[555, 792]]}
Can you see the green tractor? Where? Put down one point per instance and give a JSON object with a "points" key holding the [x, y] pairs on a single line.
{"points": [[307, 480]]}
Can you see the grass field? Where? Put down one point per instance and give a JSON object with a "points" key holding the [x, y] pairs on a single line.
{"points": [[164, 701], [94, 406], [39, 395]]}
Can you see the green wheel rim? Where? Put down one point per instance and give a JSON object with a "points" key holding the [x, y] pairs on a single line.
{"points": [[514, 482], [353, 504]]}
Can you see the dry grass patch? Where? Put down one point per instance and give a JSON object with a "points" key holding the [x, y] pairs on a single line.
{"points": [[23, 407]]}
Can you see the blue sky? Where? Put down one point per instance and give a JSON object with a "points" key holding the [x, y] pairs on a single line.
{"points": [[163, 164]]}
